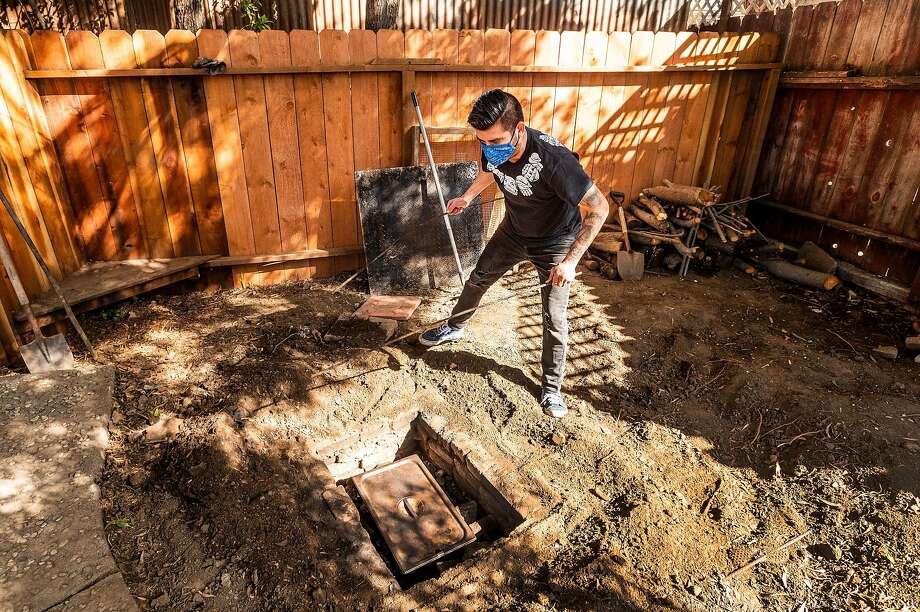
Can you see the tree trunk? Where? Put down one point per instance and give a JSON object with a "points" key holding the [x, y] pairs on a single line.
{"points": [[382, 15]]}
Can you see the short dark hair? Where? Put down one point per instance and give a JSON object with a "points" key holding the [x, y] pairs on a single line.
{"points": [[496, 106]]}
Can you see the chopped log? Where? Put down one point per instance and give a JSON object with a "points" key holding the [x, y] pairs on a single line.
{"points": [[815, 258], [888, 352], [732, 235], [912, 343], [702, 234], [592, 264], [715, 224], [744, 266], [799, 275], [653, 207], [772, 248], [608, 242], [646, 217], [876, 284], [643, 239], [682, 194]]}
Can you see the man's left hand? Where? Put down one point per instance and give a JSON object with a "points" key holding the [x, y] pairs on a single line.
{"points": [[562, 274]]}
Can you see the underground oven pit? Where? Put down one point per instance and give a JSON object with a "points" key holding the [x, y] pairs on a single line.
{"points": [[423, 494]]}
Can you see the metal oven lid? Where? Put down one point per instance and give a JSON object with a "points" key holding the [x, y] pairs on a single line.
{"points": [[415, 517]]}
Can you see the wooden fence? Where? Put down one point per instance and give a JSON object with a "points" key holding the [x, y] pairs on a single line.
{"points": [[842, 153], [113, 148]]}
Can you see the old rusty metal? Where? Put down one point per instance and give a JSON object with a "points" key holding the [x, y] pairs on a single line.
{"points": [[414, 515]]}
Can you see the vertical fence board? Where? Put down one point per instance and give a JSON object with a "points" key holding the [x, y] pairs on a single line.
{"points": [[445, 107], [571, 50], [390, 44], [257, 153], [275, 51], [653, 115], [308, 96], [333, 45], [543, 96], [38, 153], [192, 115], [150, 50], [590, 89], [228, 149], [108, 154], [611, 120], [131, 117]]}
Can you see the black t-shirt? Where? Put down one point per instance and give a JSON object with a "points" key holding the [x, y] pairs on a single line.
{"points": [[542, 189]]}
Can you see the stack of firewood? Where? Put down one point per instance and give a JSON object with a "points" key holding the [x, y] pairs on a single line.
{"points": [[675, 225]]}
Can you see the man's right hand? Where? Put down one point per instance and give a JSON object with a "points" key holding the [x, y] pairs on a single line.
{"points": [[456, 205]]}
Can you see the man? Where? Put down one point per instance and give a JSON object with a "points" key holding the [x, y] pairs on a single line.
{"points": [[553, 212]]}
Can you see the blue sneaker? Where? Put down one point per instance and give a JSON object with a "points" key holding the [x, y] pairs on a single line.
{"points": [[553, 405], [445, 333]]}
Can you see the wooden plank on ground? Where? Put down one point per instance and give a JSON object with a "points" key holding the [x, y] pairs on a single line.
{"points": [[228, 151], [108, 154], [36, 145], [390, 43], [308, 96], [257, 153], [65, 118], [131, 116], [337, 112], [192, 115], [102, 278], [275, 50]]}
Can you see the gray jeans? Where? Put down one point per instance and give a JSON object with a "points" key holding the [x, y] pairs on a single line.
{"points": [[501, 253]]}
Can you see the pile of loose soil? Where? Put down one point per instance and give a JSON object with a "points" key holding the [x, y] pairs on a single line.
{"points": [[713, 421]]}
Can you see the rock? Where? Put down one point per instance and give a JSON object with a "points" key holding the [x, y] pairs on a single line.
{"points": [[498, 578], [912, 343], [888, 352], [164, 430], [136, 479], [557, 438], [826, 551], [600, 494], [117, 417], [917, 359], [469, 589], [160, 602], [695, 590], [225, 579]]}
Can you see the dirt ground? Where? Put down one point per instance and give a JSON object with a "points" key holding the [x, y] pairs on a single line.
{"points": [[713, 420]]}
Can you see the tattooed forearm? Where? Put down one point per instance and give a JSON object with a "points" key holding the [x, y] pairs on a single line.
{"points": [[595, 209]]}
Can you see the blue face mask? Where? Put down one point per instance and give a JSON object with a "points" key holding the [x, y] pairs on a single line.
{"points": [[497, 154]]}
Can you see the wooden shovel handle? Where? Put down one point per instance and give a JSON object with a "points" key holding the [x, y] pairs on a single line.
{"points": [[18, 288], [623, 227]]}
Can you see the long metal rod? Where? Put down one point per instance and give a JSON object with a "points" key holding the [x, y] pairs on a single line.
{"points": [[437, 185]]}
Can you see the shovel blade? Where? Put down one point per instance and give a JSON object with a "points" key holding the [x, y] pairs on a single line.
{"points": [[630, 266], [47, 354]]}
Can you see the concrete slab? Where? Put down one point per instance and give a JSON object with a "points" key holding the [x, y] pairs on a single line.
{"points": [[53, 550]]}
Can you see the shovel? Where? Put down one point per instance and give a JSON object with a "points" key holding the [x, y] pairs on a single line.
{"points": [[630, 266], [43, 354]]}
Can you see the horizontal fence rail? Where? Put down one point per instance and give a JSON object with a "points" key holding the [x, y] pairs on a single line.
{"points": [[113, 147]]}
